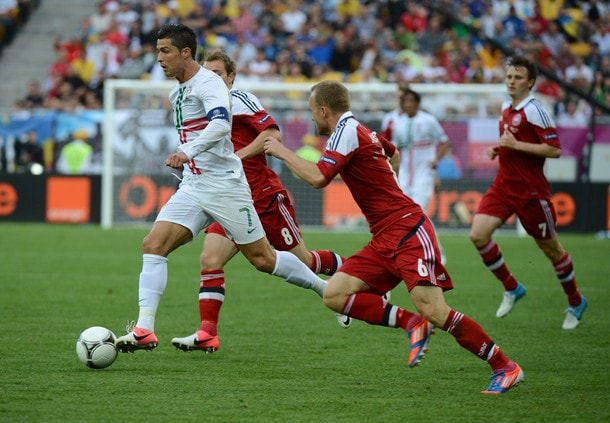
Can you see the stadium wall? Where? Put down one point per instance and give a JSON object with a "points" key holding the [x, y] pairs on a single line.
{"points": [[77, 199]]}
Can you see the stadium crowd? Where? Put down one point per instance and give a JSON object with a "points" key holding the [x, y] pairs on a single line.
{"points": [[14, 14], [346, 40]]}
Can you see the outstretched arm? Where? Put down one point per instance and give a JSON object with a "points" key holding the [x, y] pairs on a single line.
{"points": [[257, 145], [306, 170]]}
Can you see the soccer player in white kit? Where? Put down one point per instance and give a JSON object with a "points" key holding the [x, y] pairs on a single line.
{"points": [[422, 142], [214, 186]]}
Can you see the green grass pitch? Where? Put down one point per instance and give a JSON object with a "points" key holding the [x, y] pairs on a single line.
{"points": [[283, 358]]}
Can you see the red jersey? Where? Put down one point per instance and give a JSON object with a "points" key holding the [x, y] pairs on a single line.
{"points": [[249, 120], [362, 159], [521, 174]]}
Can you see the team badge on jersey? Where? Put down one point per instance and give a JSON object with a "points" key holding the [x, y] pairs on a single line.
{"points": [[516, 120]]}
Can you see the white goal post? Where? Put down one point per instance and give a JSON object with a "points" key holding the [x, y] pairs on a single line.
{"points": [[138, 132]]}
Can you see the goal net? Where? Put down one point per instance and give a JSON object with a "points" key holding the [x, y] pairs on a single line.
{"points": [[139, 133]]}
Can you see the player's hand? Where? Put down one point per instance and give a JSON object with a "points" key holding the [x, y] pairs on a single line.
{"points": [[492, 152], [273, 147], [507, 139], [176, 160]]}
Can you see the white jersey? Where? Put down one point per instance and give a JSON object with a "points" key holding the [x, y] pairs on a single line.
{"points": [[201, 109], [417, 139], [214, 186]]}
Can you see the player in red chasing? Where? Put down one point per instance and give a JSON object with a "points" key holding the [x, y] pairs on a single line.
{"points": [[213, 188], [251, 125], [527, 138], [403, 246]]}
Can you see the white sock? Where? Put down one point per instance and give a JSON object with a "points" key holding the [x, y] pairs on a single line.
{"points": [[153, 280], [294, 271]]}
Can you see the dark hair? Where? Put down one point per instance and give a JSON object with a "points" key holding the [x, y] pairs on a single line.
{"points": [[524, 62], [406, 92], [218, 54], [181, 37], [331, 94]]}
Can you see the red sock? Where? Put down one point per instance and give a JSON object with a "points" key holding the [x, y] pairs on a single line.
{"points": [[492, 257], [375, 311], [211, 297], [471, 336], [325, 262], [564, 269]]}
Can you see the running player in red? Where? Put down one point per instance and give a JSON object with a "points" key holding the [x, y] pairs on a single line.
{"points": [[213, 188], [251, 125], [527, 138], [403, 246]]}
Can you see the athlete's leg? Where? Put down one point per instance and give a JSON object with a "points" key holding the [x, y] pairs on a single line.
{"points": [[283, 264], [564, 269], [483, 226], [430, 302]]}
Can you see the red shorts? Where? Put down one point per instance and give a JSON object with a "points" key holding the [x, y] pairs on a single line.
{"points": [[279, 222], [406, 250], [537, 215]]}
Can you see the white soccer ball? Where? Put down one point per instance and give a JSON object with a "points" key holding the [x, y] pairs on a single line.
{"points": [[95, 347]]}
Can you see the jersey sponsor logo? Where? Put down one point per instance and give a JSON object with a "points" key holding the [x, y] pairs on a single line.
{"points": [[328, 160], [516, 120]]}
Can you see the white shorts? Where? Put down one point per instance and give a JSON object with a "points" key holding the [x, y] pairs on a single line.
{"points": [[421, 194], [201, 200]]}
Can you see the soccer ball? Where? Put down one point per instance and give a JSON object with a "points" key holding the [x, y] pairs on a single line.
{"points": [[95, 347]]}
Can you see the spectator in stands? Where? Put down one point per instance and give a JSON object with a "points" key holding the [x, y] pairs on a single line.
{"points": [[243, 52], [433, 38], [310, 148], [83, 67], [513, 25], [594, 10], [579, 74], [414, 19], [342, 56], [76, 156], [366, 22], [29, 156], [571, 117], [435, 72], [449, 165], [538, 23], [35, 96], [260, 67], [132, 66], [100, 19], [293, 17], [408, 72], [322, 48], [594, 58], [601, 86], [125, 17], [553, 39], [602, 36], [9, 14], [476, 73]]}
